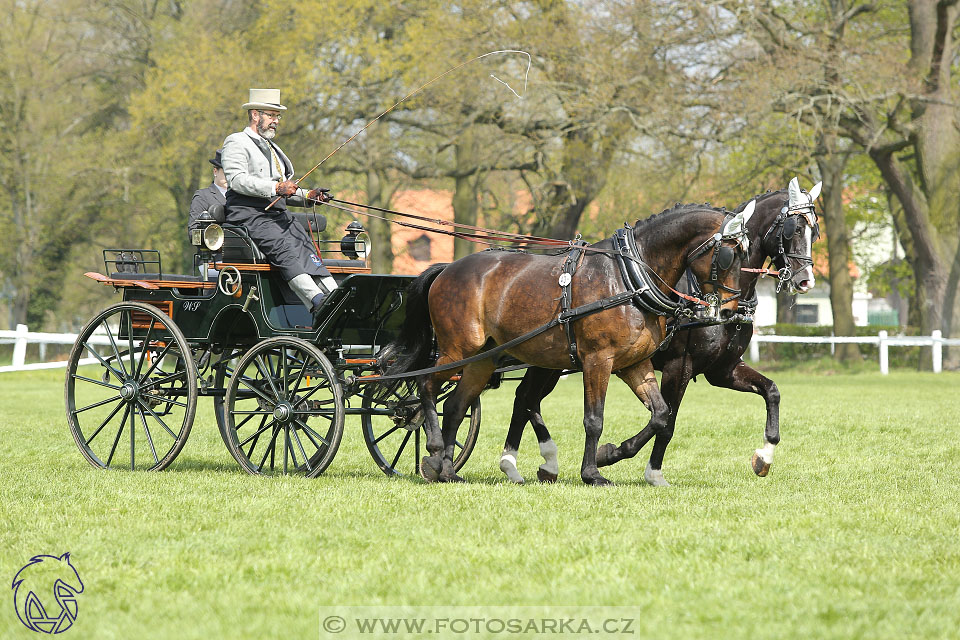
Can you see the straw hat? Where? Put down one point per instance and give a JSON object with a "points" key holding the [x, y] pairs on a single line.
{"points": [[264, 99]]}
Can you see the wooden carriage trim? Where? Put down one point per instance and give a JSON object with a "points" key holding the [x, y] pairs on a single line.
{"points": [[150, 284], [247, 266]]}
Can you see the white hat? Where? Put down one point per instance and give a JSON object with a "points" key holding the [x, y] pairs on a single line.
{"points": [[265, 99]]}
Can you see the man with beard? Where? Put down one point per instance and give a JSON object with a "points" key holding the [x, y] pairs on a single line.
{"points": [[257, 171]]}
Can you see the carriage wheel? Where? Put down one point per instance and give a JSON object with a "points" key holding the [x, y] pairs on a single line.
{"points": [[397, 442], [284, 409], [224, 369], [142, 388]]}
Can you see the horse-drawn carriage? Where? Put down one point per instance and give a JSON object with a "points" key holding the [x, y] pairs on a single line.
{"points": [[281, 384]]}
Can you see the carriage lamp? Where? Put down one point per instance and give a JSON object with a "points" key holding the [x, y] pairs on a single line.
{"points": [[355, 245], [209, 234]]}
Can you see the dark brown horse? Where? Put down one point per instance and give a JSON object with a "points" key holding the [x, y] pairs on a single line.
{"points": [[783, 228], [495, 297]]}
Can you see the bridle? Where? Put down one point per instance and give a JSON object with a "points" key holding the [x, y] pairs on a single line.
{"points": [[788, 224], [721, 262]]}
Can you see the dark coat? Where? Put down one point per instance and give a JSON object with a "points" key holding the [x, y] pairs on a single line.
{"points": [[203, 199]]}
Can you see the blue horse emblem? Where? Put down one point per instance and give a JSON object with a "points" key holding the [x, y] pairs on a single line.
{"points": [[45, 593], [316, 259]]}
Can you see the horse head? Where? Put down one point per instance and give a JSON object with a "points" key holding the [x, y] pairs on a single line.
{"points": [[709, 244], [789, 227], [43, 581]]}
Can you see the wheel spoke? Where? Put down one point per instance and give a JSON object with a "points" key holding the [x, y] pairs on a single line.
{"points": [[146, 430], [286, 446], [113, 343], [95, 404], [133, 425], [157, 360], [102, 384], [130, 342], [164, 400], [253, 445], [116, 440], [269, 450], [146, 348], [96, 355], [104, 423], [313, 390], [258, 412], [157, 418], [286, 369], [257, 391], [388, 432], [167, 378], [259, 431], [306, 459], [269, 377], [393, 465], [309, 431]]}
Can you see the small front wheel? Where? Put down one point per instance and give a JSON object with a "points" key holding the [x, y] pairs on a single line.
{"points": [[284, 409]]}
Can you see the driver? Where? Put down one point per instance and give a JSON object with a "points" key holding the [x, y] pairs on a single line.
{"points": [[257, 171]]}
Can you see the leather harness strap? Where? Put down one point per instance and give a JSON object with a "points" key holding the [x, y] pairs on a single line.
{"points": [[570, 265]]}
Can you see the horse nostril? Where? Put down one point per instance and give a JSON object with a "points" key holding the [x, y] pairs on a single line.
{"points": [[726, 314]]}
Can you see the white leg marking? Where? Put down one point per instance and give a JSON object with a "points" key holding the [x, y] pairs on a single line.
{"points": [[654, 477], [508, 464], [548, 449], [766, 453]]}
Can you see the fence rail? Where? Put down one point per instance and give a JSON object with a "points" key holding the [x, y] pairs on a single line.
{"points": [[882, 340], [21, 338]]}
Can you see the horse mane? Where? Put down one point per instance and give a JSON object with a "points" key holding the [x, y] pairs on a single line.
{"points": [[678, 210], [760, 198]]}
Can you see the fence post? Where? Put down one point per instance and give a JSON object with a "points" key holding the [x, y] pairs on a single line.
{"points": [[937, 336], [754, 350], [20, 346], [884, 360]]}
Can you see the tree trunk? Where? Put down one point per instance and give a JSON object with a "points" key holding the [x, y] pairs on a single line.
{"points": [[467, 180], [380, 231], [832, 166]]}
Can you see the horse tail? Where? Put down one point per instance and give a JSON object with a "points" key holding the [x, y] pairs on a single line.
{"points": [[413, 346]]}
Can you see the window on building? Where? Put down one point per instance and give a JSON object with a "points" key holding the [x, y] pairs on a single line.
{"points": [[419, 248], [808, 314]]}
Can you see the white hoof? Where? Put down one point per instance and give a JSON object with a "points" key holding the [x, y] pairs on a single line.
{"points": [[508, 464], [654, 477]]}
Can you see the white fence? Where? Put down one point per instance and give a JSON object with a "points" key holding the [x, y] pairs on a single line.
{"points": [[21, 337], [882, 340]]}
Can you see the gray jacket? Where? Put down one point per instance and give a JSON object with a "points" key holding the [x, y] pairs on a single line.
{"points": [[247, 166], [202, 201]]}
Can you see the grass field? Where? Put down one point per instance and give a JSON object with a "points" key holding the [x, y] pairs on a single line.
{"points": [[854, 534]]}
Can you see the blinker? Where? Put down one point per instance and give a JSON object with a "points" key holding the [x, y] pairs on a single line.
{"points": [[725, 256], [789, 227]]}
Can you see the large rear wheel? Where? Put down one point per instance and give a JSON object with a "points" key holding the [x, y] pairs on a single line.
{"points": [[141, 388], [284, 409]]}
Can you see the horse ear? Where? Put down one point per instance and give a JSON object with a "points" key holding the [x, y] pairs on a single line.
{"points": [[794, 190], [738, 222], [815, 192], [66, 556]]}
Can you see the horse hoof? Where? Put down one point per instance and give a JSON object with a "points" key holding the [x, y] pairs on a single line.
{"points": [[605, 454], [760, 466], [546, 476], [596, 481], [429, 469], [654, 477], [450, 478]]}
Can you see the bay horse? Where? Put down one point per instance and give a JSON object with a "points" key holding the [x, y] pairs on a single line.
{"points": [[495, 297], [782, 229]]}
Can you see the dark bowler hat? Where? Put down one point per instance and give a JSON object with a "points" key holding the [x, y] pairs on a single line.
{"points": [[215, 160]]}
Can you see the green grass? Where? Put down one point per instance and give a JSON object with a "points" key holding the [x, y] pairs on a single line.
{"points": [[854, 533]]}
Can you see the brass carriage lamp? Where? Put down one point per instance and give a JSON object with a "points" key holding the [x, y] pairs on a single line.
{"points": [[355, 245], [208, 237]]}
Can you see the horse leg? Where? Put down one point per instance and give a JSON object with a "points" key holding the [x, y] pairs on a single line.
{"points": [[596, 378], [743, 378], [673, 384], [432, 464], [471, 384], [643, 382], [537, 383]]}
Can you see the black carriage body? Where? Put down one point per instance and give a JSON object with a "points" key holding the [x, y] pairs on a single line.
{"points": [[281, 384]]}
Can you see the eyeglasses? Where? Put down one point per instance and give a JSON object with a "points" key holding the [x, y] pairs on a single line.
{"points": [[271, 116]]}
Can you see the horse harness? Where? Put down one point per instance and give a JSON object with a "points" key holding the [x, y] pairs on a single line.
{"points": [[786, 226]]}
